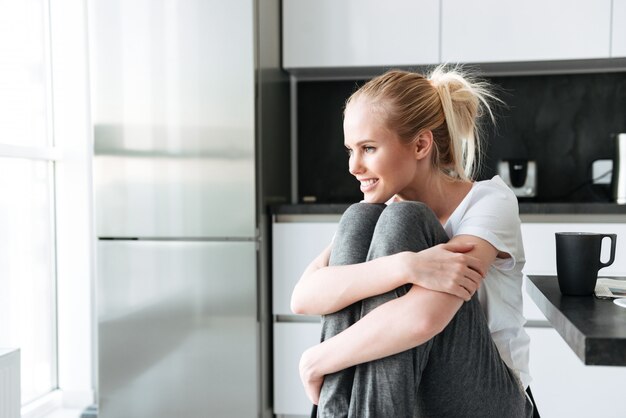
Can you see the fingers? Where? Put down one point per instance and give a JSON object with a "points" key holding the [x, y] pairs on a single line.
{"points": [[459, 250], [458, 247], [474, 276], [476, 265], [467, 294], [462, 293], [464, 287]]}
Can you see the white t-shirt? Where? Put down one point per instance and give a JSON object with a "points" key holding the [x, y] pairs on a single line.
{"points": [[490, 211]]}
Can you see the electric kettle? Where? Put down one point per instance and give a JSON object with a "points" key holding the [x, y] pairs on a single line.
{"points": [[520, 175]]}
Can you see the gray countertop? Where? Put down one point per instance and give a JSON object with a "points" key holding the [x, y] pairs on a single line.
{"points": [[524, 208], [595, 329]]}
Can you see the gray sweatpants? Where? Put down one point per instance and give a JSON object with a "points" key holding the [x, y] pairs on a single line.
{"points": [[458, 373]]}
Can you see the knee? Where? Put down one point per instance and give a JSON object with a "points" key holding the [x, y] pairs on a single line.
{"points": [[409, 205], [358, 223], [363, 211], [406, 226], [409, 213]]}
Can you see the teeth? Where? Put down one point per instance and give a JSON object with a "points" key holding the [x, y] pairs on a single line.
{"points": [[368, 182]]}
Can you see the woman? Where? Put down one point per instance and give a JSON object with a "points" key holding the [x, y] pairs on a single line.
{"points": [[403, 332]]}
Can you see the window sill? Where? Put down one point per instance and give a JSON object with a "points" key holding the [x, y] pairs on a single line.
{"points": [[50, 406]]}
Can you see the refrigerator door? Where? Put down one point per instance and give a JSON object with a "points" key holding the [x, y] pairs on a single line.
{"points": [[173, 113], [177, 329], [174, 197]]}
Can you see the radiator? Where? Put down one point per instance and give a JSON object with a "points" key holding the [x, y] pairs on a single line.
{"points": [[9, 383]]}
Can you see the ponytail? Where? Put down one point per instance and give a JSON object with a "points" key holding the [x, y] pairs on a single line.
{"points": [[464, 100]]}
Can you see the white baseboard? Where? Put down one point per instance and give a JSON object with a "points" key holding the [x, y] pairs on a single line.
{"points": [[56, 400]]}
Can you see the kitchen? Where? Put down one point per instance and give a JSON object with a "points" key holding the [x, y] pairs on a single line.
{"points": [[151, 109]]}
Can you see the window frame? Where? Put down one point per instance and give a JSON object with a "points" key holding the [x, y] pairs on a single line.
{"points": [[70, 150]]}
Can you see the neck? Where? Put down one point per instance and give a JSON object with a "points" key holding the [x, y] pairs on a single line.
{"points": [[441, 194]]}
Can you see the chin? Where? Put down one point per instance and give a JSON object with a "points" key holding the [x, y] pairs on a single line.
{"points": [[373, 199]]}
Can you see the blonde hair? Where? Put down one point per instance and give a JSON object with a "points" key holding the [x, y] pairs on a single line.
{"points": [[448, 102]]}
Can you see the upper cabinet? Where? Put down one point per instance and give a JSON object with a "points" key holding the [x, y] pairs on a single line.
{"points": [[532, 30], [618, 40], [360, 33], [327, 34]]}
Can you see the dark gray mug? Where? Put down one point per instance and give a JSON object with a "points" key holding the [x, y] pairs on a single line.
{"points": [[578, 261]]}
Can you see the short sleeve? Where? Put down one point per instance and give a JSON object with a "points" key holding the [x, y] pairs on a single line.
{"points": [[493, 215]]}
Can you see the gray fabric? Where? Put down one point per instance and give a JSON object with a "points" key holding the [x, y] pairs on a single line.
{"points": [[458, 373]]}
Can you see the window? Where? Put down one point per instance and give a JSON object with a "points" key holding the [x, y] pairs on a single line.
{"points": [[27, 159]]}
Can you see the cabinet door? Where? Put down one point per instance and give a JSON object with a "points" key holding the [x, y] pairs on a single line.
{"points": [[563, 387], [346, 33], [290, 341], [618, 37], [532, 30], [294, 246]]}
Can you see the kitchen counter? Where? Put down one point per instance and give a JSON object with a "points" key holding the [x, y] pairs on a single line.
{"points": [[524, 208], [529, 211], [594, 329]]}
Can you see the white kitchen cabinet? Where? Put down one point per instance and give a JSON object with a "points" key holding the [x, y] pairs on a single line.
{"points": [[564, 387], [359, 33], [618, 37], [294, 246], [290, 341], [532, 30]]}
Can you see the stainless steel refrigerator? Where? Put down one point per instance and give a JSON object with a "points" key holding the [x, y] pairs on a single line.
{"points": [[175, 182]]}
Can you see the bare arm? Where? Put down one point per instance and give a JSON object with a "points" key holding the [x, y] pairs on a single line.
{"points": [[385, 330], [324, 289], [449, 268]]}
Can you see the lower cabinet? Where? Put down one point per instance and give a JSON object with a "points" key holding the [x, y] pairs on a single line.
{"points": [[564, 387], [291, 339]]}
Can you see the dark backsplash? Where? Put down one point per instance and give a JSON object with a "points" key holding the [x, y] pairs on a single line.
{"points": [[563, 122]]}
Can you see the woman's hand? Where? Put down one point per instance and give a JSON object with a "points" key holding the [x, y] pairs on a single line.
{"points": [[311, 379], [444, 268]]}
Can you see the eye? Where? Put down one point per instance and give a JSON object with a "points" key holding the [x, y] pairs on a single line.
{"points": [[369, 149], [349, 152]]}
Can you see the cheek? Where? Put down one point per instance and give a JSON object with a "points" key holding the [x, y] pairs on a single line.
{"points": [[407, 166]]}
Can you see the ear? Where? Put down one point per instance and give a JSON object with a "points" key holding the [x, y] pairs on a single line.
{"points": [[423, 144]]}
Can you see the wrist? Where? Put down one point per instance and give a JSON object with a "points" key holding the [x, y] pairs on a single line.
{"points": [[397, 267]]}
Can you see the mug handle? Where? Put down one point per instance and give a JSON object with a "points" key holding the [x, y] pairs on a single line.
{"points": [[612, 257]]}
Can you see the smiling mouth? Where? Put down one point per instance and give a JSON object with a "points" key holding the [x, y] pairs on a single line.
{"points": [[367, 185]]}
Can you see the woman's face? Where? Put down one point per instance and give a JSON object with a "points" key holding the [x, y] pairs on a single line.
{"points": [[380, 162]]}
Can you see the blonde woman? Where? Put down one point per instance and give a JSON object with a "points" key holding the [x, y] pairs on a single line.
{"points": [[403, 332]]}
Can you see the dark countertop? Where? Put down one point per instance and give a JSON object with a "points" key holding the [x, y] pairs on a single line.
{"points": [[524, 207], [595, 329]]}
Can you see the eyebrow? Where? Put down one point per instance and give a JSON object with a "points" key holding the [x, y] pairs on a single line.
{"points": [[361, 142]]}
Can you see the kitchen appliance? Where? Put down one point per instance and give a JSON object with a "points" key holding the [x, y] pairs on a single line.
{"points": [[177, 293], [618, 180], [520, 175]]}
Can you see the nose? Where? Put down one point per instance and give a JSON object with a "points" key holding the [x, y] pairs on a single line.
{"points": [[355, 164]]}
